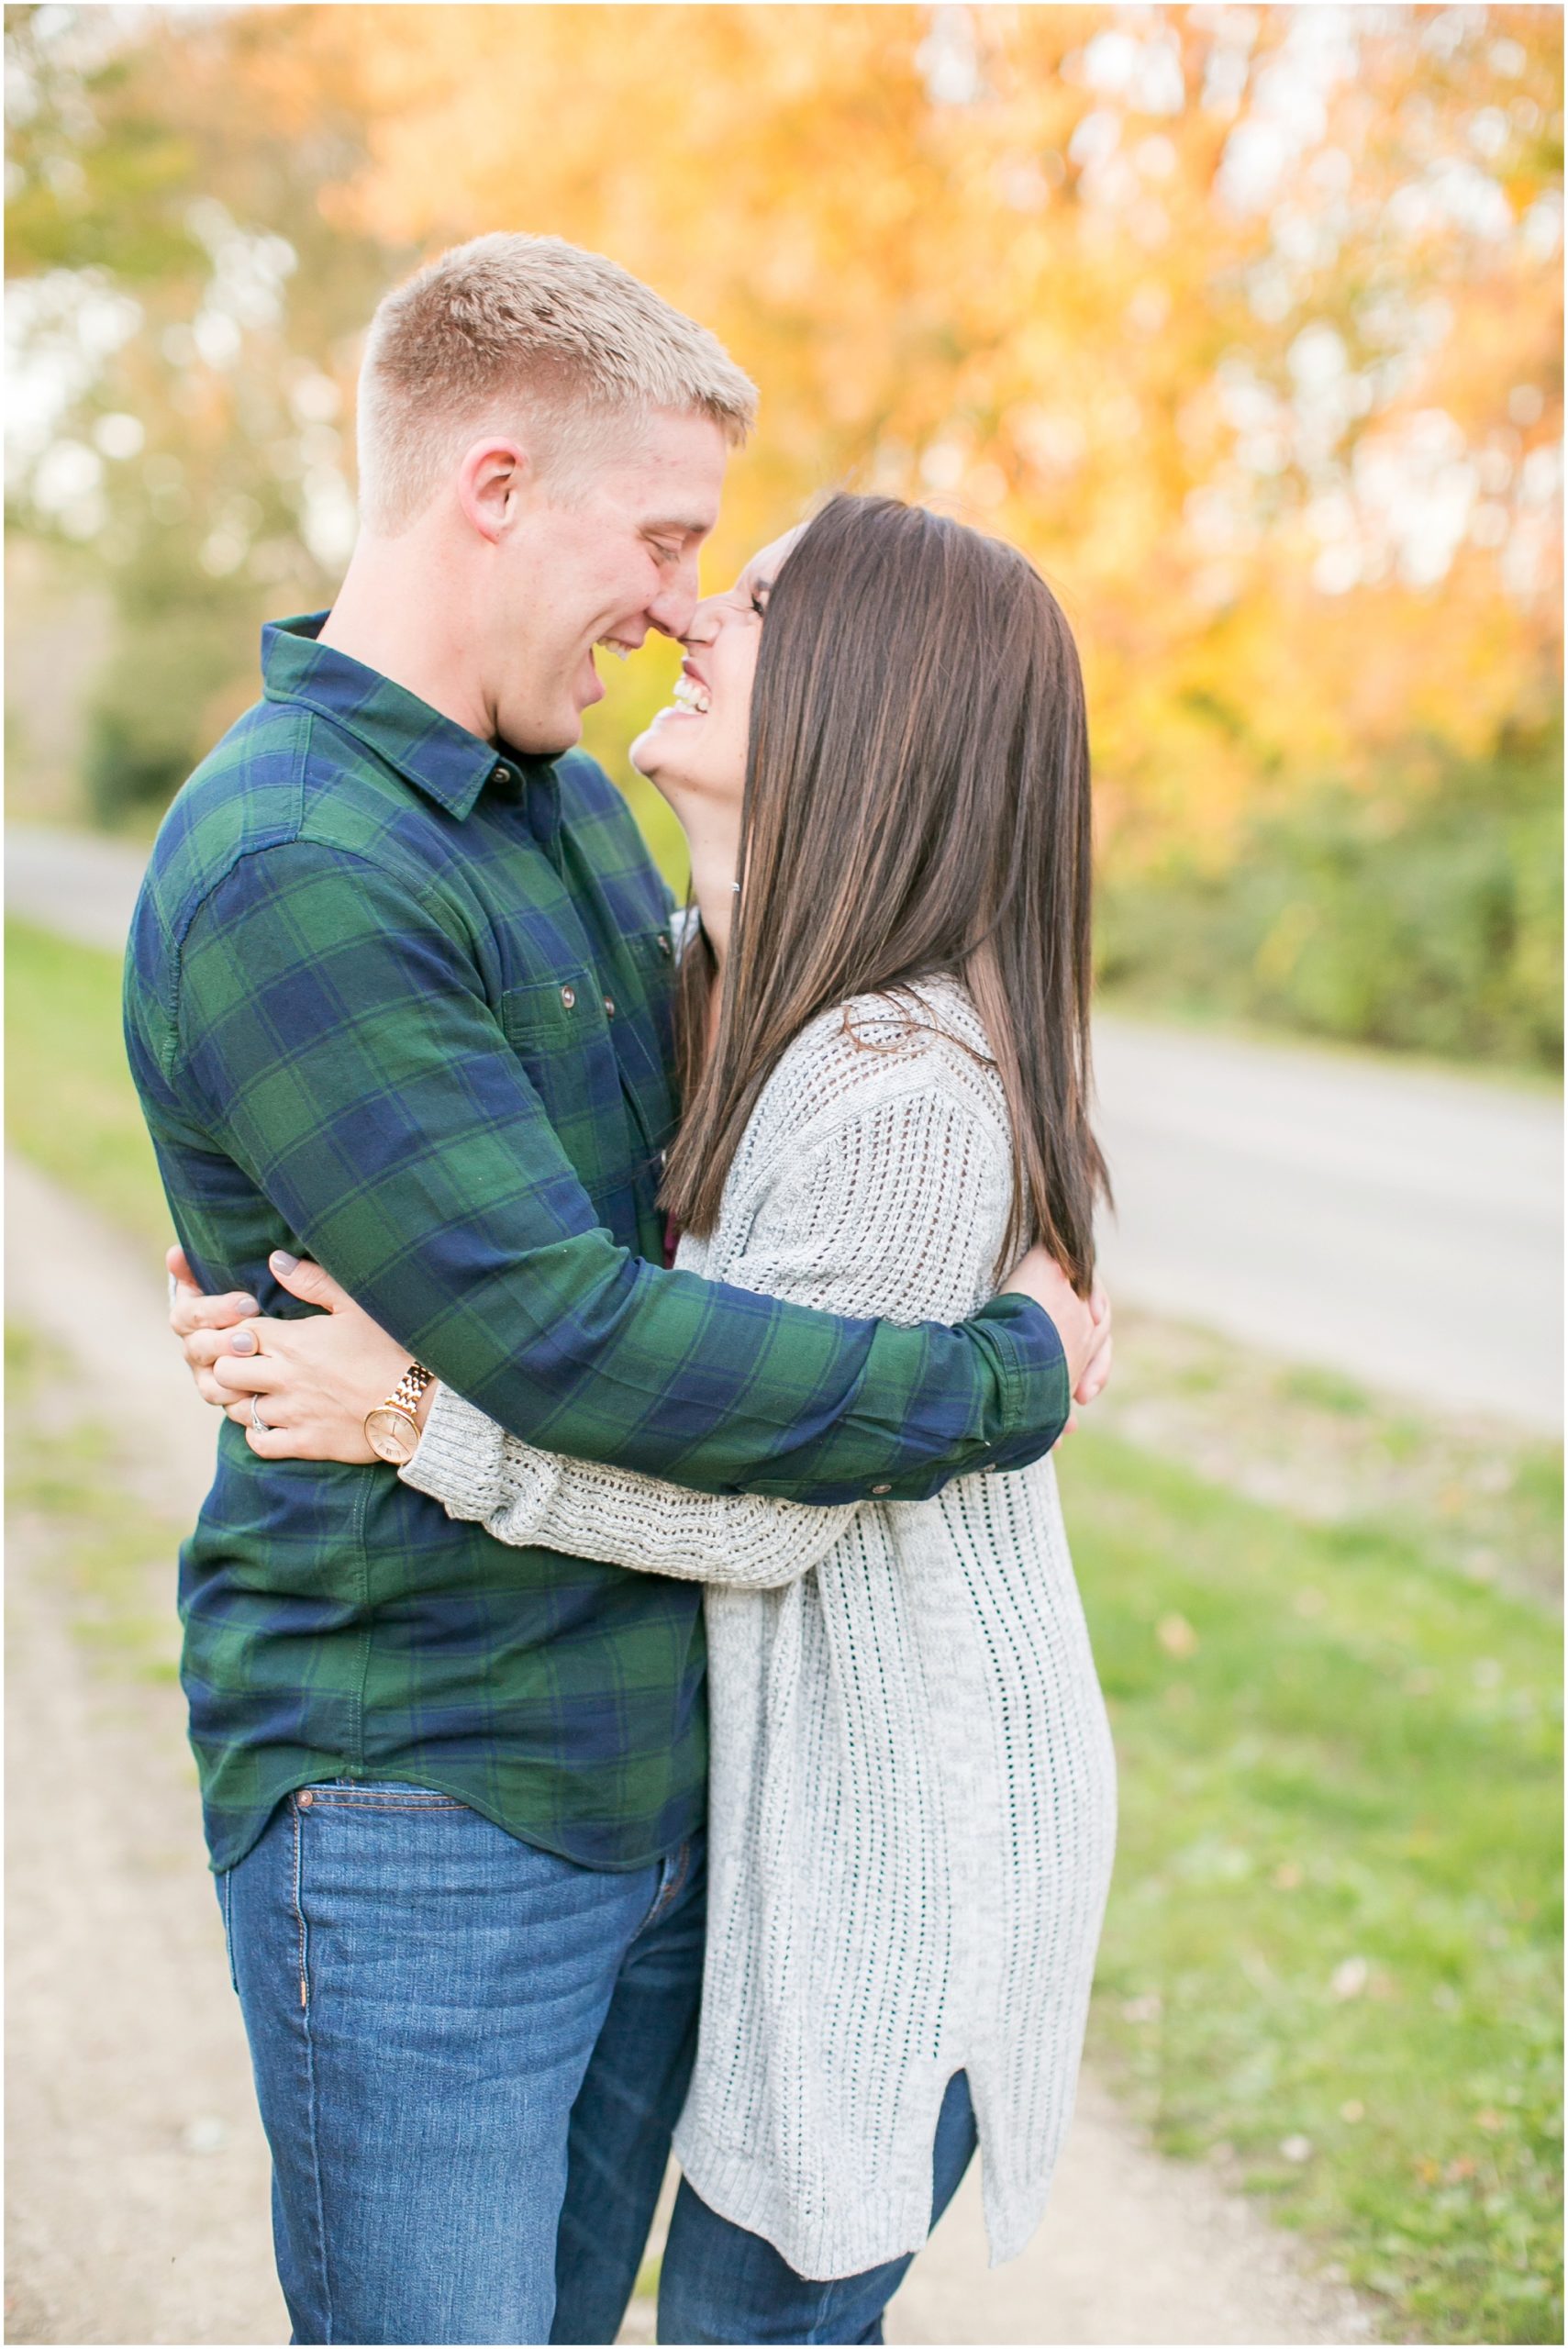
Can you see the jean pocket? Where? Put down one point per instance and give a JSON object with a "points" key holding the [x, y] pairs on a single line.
{"points": [[374, 1794]]}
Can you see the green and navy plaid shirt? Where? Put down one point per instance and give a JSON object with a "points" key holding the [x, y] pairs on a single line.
{"points": [[401, 1002]]}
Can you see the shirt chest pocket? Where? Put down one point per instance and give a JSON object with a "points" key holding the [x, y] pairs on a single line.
{"points": [[559, 1027]]}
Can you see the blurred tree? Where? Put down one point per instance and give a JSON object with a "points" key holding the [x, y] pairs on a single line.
{"points": [[182, 321], [1246, 324]]}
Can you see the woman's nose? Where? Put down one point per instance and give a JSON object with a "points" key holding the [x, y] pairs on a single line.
{"points": [[704, 624]]}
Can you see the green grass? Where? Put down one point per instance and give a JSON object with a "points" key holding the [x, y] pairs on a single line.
{"points": [[1336, 1923], [69, 1106], [1473, 1495]]}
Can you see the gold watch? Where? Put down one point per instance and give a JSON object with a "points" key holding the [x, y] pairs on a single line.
{"points": [[392, 1431]]}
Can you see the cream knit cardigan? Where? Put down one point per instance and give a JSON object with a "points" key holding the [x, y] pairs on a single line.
{"points": [[912, 1791]]}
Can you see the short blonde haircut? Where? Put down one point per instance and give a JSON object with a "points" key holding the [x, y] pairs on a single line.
{"points": [[517, 333]]}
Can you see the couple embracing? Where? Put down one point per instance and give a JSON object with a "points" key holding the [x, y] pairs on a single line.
{"points": [[635, 1694]]}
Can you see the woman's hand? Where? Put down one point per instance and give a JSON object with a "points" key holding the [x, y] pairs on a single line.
{"points": [[309, 1382], [1084, 1325]]}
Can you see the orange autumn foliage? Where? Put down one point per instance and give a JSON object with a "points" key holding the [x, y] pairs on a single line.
{"points": [[1247, 329]]}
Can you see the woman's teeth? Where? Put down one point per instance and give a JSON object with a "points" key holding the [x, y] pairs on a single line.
{"points": [[608, 645], [689, 694]]}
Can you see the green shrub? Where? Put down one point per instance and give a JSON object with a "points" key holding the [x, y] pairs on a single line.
{"points": [[1426, 916], [180, 644]]}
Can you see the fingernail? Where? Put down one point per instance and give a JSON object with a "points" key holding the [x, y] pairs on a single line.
{"points": [[282, 1261], [242, 1342], [246, 1305]]}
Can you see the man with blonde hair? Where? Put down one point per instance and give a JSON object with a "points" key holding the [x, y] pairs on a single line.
{"points": [[399, 997]]}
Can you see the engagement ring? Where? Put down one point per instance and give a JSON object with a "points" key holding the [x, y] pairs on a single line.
{"points": [[257, 1422]]}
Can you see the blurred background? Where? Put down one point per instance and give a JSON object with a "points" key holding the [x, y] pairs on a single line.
{"points": [[1246, 324]]}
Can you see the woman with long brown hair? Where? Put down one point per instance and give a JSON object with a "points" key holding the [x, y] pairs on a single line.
{"points": [[879, 752]]}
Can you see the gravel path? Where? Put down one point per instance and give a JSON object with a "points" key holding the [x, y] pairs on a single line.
{"points": [[1393, 1223], [137, 2178], [138, 2175]]}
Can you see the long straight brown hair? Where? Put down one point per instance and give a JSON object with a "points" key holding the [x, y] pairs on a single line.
{"points": [[917, 801]]}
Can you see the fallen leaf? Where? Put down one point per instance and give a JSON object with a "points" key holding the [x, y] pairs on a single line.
{"points": [[1176, 1635]]}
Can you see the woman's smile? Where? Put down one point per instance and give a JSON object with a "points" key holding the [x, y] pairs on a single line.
{"points": [[692, 694]]}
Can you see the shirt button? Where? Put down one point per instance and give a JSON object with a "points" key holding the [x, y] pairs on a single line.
{"points": [[879, 1489], [610, 1005], [501, 774], [663, 943], [569, 996]]}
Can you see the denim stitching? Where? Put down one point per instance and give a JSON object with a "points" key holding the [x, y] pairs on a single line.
{"points": [[373, 1802], [303, 1955], [323, 2272], [227, 1881]]}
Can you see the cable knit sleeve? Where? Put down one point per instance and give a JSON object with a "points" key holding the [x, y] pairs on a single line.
{"points": [[870, 1183], [540, 1500]]}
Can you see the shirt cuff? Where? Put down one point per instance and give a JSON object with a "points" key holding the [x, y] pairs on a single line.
{"points": [[458, 1454], [1034, 1377]]}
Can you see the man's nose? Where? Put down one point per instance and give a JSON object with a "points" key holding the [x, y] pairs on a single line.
{"points": [[673, 609]]}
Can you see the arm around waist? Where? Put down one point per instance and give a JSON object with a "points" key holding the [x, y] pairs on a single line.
{"points": [[333, 1024]]}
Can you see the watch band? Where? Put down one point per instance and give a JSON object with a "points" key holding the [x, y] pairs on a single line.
{"points": [[404, 1396]]}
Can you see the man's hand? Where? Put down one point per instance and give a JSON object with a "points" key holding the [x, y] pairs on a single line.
{"points": [[1083, 1325], [201, 1323]]}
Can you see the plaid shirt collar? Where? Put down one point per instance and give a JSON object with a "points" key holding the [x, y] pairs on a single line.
{"points": [[435, 754]]}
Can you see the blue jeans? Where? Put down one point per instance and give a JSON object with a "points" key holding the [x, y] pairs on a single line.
{"points": [[469, 2056], [720, 2283]]}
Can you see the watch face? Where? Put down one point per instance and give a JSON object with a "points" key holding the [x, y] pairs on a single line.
{"points": [[392, 1435]]}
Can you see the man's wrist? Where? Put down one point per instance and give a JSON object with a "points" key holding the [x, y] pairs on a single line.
{"points": [[1035, 1381]]}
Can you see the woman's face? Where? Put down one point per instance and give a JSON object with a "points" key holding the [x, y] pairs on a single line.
{"points": [[696, 748]]}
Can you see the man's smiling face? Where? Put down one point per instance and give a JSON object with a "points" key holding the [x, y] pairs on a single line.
{"points": [[615, 558]]}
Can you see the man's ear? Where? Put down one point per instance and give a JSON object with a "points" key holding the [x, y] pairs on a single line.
{"points": [[492, 483]]}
